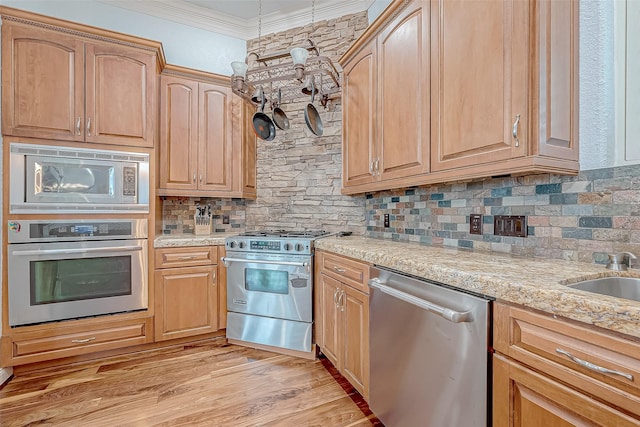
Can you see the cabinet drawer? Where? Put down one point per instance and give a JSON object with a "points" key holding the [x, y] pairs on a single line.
{"points": [[353, 273], [51, 344], [186, 256], [560, 349]]}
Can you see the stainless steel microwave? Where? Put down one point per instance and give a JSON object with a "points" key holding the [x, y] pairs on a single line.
{"points": [[50, 179]]}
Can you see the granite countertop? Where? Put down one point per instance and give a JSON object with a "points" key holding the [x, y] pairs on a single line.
{"points": [[533, 282], [177, 240]]}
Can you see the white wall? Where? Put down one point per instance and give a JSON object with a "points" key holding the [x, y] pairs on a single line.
{"points": [[183, 45], [376, 9], [597, 100]]}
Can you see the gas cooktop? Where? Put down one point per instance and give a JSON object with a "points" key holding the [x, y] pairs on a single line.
{"points": [[275, 241], [309, 234]]}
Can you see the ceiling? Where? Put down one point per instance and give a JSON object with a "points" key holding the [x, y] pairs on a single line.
{"points": [[240, 18]]}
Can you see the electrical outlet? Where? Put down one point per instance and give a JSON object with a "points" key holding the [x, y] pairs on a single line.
{"points": [[475, 224], [509, 225], [386, 220], [225, 219]]}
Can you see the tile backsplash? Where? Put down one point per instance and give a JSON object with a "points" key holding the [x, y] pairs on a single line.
{"points": [[178, 212], [580, 218]]}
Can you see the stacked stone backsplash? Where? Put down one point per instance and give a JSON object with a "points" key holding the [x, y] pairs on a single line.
{"points": [[178, 212], [299, 174], [580, 218]]}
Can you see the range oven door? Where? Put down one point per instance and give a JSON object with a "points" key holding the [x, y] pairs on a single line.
{"points": [[57, 281], [270, 285]]}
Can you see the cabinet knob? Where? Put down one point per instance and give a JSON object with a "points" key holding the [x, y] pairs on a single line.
{"points": [[194, 177], [89, 126], [78, 124]]}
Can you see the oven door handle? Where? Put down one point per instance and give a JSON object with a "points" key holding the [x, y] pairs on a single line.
{"points": [[77, 251], [227, 261]]}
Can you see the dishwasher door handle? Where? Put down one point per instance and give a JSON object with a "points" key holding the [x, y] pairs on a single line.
{"points": [[446, 313]]}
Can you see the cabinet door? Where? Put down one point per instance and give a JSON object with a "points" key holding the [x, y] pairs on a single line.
{"points": [[332, 330], [178, 133], [186, 302], [358, 118], [120, 95], [404, 93], [355, 315], [215, 138], [524, 398], [42, 83], [479, 81]]}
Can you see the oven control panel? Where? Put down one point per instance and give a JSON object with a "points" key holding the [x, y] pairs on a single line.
{"points": [[72, 230], [296, 246]]}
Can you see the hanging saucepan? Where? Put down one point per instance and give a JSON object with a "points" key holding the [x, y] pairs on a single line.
{"points": [[262, 124], [311, 115], [279, 117]]}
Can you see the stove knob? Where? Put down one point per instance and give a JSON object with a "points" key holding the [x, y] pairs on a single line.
{"points": [[288, 247], [241, 244], [233, 244], [299, 247]]}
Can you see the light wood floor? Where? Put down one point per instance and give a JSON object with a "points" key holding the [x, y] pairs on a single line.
{"points": [[210, 383]]}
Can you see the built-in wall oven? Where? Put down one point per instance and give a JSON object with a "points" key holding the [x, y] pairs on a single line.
{"points": [[270, 289], [68, 269], [51, 179]]}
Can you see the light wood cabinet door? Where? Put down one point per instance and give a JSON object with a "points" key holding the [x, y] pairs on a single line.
{"points": [[215, 138], [42, 83], [330, 337], [404, 94], [479, 81], [358, 117], [525, 398], [178, 133], [186, 302], [355, 317], [120, 95]]}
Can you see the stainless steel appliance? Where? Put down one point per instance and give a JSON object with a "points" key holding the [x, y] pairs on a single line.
{"points": [[70, 269], [429, 348], [49, 179], [270, 288]]}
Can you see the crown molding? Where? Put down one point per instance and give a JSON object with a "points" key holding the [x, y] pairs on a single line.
{"points": [[207, 19]]}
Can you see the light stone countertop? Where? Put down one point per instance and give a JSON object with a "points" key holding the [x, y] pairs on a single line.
{"points": [[533, 282], [178, 240]]}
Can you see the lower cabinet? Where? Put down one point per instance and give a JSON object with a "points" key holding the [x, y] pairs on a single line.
{"points": [[550, 372], [74, 339], [342, 318], [186, 292]]}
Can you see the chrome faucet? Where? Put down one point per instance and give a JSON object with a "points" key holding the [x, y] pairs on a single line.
{"points": [[620, 261]]}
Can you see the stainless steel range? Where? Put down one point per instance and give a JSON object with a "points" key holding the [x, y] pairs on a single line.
{"points": [[270, 288]]}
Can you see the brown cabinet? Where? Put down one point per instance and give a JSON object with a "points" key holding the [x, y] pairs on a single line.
{"points": [[462, 90], [548, 371], [204, 150], [65, 86], [386, 105], [79, 337], [186, 292], [342, 317]]}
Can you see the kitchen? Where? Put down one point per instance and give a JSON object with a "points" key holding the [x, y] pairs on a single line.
{"points": [[300, 183]]}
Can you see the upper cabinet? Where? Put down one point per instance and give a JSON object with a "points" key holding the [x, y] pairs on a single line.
{"points": [[204, 150], [386, 104], [63, 85], [464, 90]]}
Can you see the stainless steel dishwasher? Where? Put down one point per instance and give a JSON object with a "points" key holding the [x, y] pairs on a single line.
{"points": [[429, 353]]}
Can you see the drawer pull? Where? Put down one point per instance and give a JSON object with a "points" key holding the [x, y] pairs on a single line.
{"points": [[187, 257], [592, 366], [83, 341], [338, 269]]}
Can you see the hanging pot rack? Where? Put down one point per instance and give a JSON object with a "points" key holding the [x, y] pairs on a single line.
{"points": [[273, 72]]}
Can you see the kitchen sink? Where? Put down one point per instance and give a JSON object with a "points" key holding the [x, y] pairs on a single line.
{"points": [[621, 287]]}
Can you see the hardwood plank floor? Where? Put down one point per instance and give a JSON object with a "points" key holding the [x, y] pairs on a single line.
{"points": [[208, 383]]}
